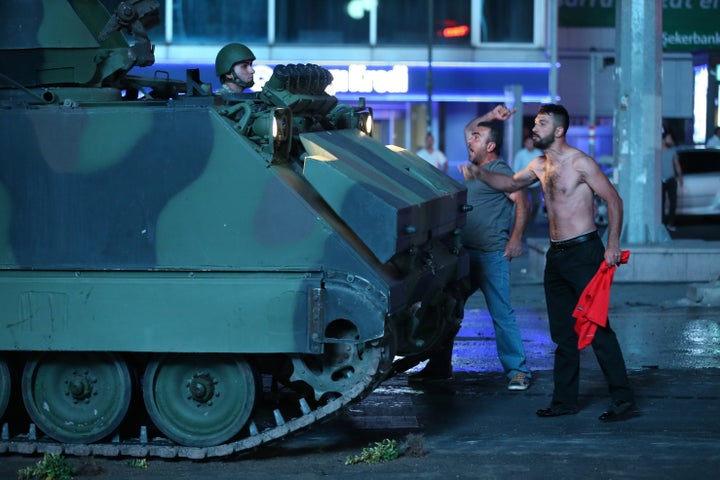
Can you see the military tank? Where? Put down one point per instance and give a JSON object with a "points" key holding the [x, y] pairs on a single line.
{"points": [[190, 275]]}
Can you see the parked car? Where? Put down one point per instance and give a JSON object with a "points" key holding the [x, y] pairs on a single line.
{"points": [[700, 192]]}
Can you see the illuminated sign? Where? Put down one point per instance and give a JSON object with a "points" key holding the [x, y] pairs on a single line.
{"points": [[354, 78], [457, 31], [396, 82], [361, 79]]}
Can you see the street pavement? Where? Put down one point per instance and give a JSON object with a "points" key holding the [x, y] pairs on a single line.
{"points": [[471, 426]]}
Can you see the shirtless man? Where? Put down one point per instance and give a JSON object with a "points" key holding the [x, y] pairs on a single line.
{"points": [[569, 178]]}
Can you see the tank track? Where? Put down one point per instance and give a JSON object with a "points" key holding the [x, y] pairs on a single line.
{"points": [[141, 446]]}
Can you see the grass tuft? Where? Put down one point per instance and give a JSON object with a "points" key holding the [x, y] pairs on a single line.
{"points": [[376, 453], [51, 467]]}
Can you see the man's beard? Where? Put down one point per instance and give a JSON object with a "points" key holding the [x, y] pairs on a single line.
{"points": [[472, 157], [543, 142]]}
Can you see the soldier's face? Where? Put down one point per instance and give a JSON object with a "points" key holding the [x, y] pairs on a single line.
{"points": [[244, 71]]}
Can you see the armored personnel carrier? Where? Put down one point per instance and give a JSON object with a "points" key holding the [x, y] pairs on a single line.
{"points": [[190, 275]]}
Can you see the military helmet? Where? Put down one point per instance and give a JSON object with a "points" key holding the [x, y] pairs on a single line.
{"points": [[229, 55]]}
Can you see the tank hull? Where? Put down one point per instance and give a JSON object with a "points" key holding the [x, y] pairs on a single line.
{"points": [[213, 271]]}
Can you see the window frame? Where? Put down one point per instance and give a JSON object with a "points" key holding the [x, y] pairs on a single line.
{"points": [[539, 27]]}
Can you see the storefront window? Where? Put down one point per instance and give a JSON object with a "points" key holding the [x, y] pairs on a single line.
{"points": [[219, 21], [405, 22], [507, 21], [324, 22], [347, 22]]}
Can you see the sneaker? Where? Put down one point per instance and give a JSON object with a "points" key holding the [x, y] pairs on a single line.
{"points": [[519, 381]]}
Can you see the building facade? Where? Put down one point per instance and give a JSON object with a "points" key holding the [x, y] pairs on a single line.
{"points": [[431, 65]]}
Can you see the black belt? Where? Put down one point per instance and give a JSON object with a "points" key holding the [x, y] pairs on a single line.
{"points": [[571, 242]]}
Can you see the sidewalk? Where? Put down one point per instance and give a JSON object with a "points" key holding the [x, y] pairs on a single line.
{"points": [[692, 254], [657, 323]]}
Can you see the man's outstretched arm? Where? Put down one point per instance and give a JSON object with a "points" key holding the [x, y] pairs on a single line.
{"points": [[500, 112], [498, 181]]}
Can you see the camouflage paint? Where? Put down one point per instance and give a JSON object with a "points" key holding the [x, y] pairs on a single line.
{"points": [[166, 224]]}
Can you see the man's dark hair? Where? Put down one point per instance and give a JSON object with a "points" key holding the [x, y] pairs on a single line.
{"points": [[495, 134], [560, 115]]}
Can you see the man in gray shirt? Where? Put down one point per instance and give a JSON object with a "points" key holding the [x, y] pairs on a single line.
{"points": [[493, 236]]}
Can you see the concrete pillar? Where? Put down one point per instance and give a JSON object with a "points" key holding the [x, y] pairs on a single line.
{"points": [[513, 128], [552, 23], [638, 118], [592, 116], [712, 99]]}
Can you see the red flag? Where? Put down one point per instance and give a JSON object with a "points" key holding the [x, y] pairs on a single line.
{"points": [[592, 308]]}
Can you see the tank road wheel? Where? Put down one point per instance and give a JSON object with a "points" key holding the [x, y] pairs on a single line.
{"points": [[199, 400], [339, 368], [76, 397], [4, 386]]}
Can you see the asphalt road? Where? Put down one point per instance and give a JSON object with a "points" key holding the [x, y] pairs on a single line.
{"points": [[473, 427]]}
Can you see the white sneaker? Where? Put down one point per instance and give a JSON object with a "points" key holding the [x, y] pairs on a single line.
{"points": [[519, 381]]}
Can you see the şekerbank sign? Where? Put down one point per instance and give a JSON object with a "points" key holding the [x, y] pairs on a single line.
{"points": [[688, 25]]}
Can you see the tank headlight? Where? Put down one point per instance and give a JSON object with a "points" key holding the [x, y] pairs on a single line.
{"points": [[265, 126], [275, 127], [365, 120]]}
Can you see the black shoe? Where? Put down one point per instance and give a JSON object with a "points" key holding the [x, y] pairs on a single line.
{"points": [[556, 411], [430, 375], [620, 411]]}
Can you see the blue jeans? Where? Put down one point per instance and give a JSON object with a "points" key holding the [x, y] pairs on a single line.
{"points": [[490, 273]]}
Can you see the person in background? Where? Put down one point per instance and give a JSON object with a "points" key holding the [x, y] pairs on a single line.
{"points": [[714, 140], [234, 68], [432, 155], [672, 177], [492, 236], [569, 179], [521, 160]]}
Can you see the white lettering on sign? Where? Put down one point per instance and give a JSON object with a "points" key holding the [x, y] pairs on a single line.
{"points": [[356, 78], [677, 4], [359, 79], [688, 4], [694, 38], [262, 75], [666, 4], [587, 3]]}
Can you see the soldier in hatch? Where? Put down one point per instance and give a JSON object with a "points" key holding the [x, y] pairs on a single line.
{"points": [[234, 68]]}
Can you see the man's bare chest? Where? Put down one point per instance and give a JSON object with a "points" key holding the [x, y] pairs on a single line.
{"points": [[559, 181]]}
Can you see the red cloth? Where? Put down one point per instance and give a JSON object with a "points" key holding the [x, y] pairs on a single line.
{"points": [[592, 308]]}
